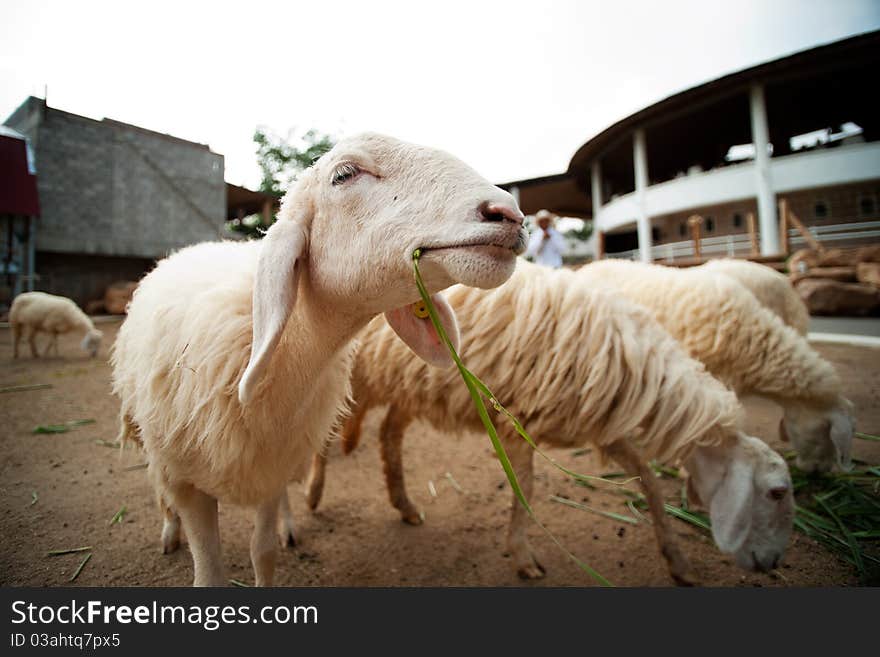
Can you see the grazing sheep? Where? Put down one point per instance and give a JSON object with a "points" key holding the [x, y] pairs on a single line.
{"points": [[234, 361], [39, 312], [577, 365], [746, 346], [772, 289]]}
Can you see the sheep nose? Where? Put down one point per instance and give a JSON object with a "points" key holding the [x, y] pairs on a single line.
{"points": [[500, 212]]}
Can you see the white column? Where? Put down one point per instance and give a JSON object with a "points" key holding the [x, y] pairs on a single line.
{"points": [[596, 190], [767, 219], [643, 221]]}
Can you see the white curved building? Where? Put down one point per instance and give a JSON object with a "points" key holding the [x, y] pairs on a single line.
{"points": [[800, 133]]}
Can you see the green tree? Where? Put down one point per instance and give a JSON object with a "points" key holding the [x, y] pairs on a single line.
{"points": [[280, 160]]}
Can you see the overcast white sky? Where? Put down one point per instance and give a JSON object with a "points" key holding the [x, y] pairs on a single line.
{"points": [[513, 88]]}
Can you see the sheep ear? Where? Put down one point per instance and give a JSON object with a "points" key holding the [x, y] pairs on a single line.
{"points": [[731, 507], [841, 437], [420, 335], [275, 285]]}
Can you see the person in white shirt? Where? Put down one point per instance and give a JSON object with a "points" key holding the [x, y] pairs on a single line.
{"points": [[546, 245]]}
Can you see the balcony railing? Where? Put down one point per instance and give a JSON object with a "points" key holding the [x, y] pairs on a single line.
{"points": [[739, 244]]}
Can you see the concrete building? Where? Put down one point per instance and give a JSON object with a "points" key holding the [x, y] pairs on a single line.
{"points": [[114, 197], [752, 160]]}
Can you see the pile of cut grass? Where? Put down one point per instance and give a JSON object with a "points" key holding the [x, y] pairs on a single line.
{"points": [[841, 511]]}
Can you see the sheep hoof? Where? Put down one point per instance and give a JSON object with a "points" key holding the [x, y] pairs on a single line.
{"points": [[287, 539], [531, 571], [171, 545], [679, 567], [313, 497], [685, 579], [413, 517]]}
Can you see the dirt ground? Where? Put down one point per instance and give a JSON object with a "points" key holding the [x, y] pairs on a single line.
{"points": [[356, 538]]}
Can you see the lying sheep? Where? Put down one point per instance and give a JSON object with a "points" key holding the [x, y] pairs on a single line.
{"points": [[772, 289], [748, 347], [234, 361], [577, 365], [39, 312]]}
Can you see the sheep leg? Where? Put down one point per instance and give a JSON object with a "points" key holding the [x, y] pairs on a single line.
{"points": [[53, 340], [16, 337], [285, 527], [263, 547], [32, 341], [170, 527], [198, 512], [520, 454], [390, 442], [315, 482], [351, 430], [351, 433], [679, 566]]}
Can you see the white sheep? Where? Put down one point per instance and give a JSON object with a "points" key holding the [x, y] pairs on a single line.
{"points": [[748, 347], [39, 312], [577, 365], [233, 363], [772, 289]]}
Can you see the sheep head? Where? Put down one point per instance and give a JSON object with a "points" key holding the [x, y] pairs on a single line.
{"points": [[748, 490], [91, 341], [378, 199], [821, 436], [350, 226]]}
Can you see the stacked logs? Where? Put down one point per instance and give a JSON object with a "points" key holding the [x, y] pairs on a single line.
{"points": [[838, 281]]}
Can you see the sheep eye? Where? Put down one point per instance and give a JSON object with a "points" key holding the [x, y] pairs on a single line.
{"points": [[344, 172]]}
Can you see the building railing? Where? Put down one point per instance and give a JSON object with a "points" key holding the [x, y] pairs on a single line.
{"points": [[844, 165], [739, 244]]}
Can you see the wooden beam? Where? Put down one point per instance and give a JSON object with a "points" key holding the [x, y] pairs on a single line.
{"points": [[808, 236], [783, 226], [600, 245], [753, 233], [695, 221]]}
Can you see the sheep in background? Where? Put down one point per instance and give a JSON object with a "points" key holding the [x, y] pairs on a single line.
{"points": [[39, 312], [772, 289], [234, 361], [577, 365], [748, 347]]}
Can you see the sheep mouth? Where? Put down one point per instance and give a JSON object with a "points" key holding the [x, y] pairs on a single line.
{"points": [[492, 247], [763, 566]]}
